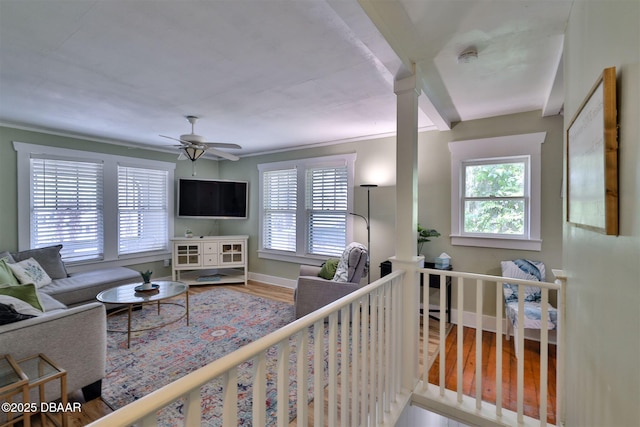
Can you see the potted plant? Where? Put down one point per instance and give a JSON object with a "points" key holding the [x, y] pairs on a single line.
{"points": [[146, 279], [423, 236]]}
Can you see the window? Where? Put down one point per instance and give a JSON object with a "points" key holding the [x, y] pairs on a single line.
{"points": [[495, 185], [142, 210], [495, 197], [279, 209], [102, 208], [304, 208], [66, 206]]}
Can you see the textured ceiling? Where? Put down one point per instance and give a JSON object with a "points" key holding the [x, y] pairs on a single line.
{"points": [[270, 75]]}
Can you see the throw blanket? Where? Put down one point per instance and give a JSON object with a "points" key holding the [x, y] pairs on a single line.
{"points": [[344, 272]]}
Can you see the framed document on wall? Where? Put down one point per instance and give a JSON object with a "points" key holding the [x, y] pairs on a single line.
{"points": [[592, 159]]}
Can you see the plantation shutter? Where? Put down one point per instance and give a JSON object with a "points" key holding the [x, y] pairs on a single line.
{"points": [[279, 209], [142, 210], [326, 208], [67, 207]]}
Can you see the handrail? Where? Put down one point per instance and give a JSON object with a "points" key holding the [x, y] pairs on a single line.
{"points": [[490, 278], [162, 397], [372, 356], [476, 410]]}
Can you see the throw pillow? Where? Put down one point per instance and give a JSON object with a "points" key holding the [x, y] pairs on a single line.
{"points": [[328, 269], [26, 293], [9, 315], [6, 275], [19, 305], [29, 271], [526, 270], [49, 259]]}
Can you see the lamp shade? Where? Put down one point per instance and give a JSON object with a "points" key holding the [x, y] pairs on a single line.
{"points": [[193, 153]]}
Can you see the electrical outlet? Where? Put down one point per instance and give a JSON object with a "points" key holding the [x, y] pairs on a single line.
{"points": [[167, 262]]}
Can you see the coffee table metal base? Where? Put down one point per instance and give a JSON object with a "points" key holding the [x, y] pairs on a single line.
{"points": [[127, 295]]}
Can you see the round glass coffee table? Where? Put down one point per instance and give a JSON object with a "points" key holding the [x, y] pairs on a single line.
{"points": [[131, 295]]}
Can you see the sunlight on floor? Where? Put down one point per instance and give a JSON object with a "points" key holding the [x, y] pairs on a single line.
{"points": [[414, 416]]}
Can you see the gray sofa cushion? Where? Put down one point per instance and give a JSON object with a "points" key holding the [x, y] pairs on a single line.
{"points": [[6, 254], [48, 258], [49, 303], [84, 286]]}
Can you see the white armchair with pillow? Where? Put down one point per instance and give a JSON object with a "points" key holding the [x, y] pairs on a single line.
{"points": [[526, 270], [314, 292]]}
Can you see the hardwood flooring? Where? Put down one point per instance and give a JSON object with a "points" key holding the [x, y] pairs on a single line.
{"points": [[531, 400]]}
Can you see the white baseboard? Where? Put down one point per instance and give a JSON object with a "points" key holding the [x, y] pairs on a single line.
{"points": [[273, 280], [489, 324]]}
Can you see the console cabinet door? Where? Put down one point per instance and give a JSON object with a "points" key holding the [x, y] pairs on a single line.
{"points": [[187, 254], [231, 252]]}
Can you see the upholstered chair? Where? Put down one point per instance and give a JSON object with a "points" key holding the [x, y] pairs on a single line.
{"points": [[314, 292]]}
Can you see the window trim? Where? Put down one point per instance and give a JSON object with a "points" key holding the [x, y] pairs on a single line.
{"points": [[301, 166], [110, 182], [494, 148]]}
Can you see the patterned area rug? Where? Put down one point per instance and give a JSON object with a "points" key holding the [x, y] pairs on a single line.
{"points": [[220, 322]]}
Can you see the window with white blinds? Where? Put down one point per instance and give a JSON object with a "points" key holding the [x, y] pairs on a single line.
{"points": [[67, 206], [279, 207], [326, 209], [304, 206], [101, 207], [142, 210]]}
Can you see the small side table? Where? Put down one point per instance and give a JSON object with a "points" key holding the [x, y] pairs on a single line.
{"points": [[13, 382], [40, 370]]}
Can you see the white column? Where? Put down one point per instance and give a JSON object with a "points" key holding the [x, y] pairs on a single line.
{"points": [[407, 221]]}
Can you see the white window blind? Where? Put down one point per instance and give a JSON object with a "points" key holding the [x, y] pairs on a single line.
{"points": [[326, 208], [142, 210], [280, 189], [67, 206]]}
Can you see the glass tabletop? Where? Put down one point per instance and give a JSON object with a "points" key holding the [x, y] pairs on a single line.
{"points": [[37, 368], [126, 294], [8, 374]]}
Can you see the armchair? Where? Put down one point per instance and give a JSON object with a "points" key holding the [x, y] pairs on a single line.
{"points": [[314, 292], [527, 270]]}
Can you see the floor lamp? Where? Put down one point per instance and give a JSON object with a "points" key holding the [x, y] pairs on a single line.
{"points": [[366, 220]]}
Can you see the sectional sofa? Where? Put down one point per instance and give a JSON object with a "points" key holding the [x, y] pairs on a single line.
{"points": [[72, 329]]}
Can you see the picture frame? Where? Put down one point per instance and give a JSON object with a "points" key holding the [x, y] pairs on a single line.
{"points": [[592, 159]]}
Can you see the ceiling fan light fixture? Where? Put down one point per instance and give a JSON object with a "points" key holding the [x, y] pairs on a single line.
{"points": [[193, 153], [470, 54]]}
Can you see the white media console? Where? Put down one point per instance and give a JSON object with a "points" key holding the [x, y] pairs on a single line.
{"points": [[210, 260]]}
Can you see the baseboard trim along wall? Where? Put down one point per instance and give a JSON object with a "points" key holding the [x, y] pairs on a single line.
{"points": [[273, 280]]}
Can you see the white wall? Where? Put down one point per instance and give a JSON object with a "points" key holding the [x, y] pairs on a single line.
{"points": [[603, 291]]}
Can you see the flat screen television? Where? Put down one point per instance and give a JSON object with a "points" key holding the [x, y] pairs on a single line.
{"points": [[212, 198]]}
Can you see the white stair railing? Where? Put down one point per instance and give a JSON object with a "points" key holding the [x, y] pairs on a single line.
{"points": [[455, 404], [368, 366]]}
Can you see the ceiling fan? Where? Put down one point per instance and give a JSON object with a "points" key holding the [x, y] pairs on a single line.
{"points": [[194, 146]]}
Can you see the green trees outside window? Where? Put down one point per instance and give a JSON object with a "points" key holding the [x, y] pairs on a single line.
{"points": [[495, 197]]}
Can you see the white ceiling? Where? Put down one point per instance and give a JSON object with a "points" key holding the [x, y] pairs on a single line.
{"points": [[271, 74]]}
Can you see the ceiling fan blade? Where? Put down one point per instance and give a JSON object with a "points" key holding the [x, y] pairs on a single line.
{"points": [[219, 153], [221, 145], [182, 141]]}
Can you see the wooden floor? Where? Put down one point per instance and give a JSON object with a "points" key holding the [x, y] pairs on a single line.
{"points": [[531, 400], [96, 408]]}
